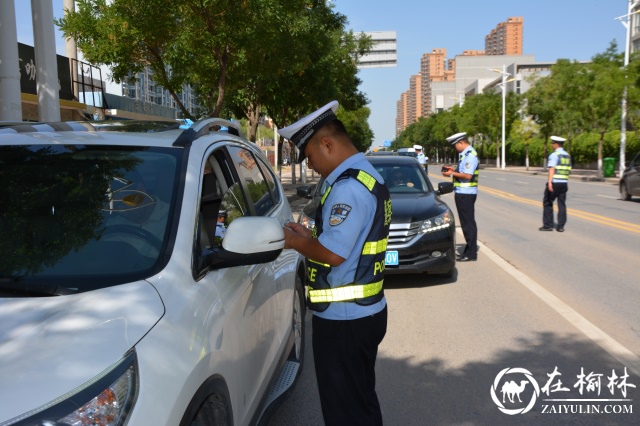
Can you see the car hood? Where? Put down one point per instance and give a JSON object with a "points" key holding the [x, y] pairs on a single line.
{"points": [[409, 208], [50, 346]]}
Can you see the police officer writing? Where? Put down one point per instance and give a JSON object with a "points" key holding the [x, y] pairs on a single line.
{"points": [[345, 254], [557, 185], [465, 186]]}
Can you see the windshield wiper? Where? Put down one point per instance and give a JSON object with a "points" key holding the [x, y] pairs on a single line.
{"points": [[10, 288]]}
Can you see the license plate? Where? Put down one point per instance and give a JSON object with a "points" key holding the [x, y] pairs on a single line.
{"points": [[391, 258]]}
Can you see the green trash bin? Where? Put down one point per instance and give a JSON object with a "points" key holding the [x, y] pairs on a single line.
{"points": [[609, 166]]}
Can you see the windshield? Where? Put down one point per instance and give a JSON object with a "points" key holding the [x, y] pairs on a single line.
{"points": [[404, 179], [75, 218]]}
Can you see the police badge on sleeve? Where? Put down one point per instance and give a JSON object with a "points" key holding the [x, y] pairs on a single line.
{"points": [[339, 213]]}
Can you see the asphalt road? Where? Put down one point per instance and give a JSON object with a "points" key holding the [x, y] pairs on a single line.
{"points": [[534, 301]]}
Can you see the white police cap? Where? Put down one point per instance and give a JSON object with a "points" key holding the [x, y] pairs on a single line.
{"points": [[558, 139], [301, 131], [417, 147], [457, 137]]}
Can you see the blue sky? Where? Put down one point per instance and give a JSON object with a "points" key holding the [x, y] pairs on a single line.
{"points": [[573, 29]]}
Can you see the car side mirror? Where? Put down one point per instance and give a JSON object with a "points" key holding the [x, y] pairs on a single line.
{"points": [[242, 245], [305, 191], [444, 188]]}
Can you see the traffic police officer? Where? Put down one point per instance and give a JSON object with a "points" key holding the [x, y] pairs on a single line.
{"points": [[559, 164], [345, 254], [420, 156], [465, 185]]}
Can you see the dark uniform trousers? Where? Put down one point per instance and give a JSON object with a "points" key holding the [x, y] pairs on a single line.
{"points": [[345, 353], [465, 204], [559, 193]]}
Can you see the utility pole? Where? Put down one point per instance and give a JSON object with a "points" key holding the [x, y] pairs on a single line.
{"points": [[631, 4]]}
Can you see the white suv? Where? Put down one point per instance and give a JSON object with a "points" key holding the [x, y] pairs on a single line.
{"points": [[143, 279]]}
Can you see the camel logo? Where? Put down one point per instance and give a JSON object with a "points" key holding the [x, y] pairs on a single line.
{"points": [[512, 390]]}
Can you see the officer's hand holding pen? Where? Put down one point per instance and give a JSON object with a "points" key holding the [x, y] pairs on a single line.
{"points": [[292, 229]]}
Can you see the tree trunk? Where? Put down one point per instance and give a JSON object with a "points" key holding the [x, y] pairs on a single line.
{"points": [[253, 114], [222, 83]]}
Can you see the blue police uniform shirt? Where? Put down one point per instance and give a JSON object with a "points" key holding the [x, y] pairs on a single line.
{"points": [[553, 162], [468, 163], [347, 238], [422, 159]]}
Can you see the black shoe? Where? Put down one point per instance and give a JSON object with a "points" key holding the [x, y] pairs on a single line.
{"points": [[542, 228], [467, 259], [559, 229]]}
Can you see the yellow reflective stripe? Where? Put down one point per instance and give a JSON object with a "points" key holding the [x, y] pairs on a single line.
{"points": [[368, 180], [318, 263], [465, 184], [375, 247], [342, 294], [326, 194]]}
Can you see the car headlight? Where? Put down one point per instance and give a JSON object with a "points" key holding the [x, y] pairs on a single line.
{"points": [[105, 401], [436, 223], [306, 220]]}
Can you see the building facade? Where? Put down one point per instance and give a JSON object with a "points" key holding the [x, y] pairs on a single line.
{"points": [[142, 87], [505, 38], [384, 52]]}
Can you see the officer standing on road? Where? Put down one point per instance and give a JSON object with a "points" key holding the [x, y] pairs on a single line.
{"points": [[465, 183], [345, 254], [557, 185], [420, 156]]}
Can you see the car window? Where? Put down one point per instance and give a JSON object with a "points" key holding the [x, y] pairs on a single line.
{"points": [[252, 176], [221, 199], [270, 179]]}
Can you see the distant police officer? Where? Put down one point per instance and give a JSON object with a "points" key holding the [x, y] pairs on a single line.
{"points": [[220, 227], [345, 254], [420, 156], [465, 183], [557, 185]]}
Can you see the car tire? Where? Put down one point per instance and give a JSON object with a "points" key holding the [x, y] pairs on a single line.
{"points": [[211, 406], [624, 193], [298, 324]]}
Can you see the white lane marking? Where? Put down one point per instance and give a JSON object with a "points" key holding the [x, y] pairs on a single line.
{"points": [[608, 196], [524, 183], [608, 343]]}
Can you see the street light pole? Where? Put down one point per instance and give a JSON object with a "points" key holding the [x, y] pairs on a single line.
{"points": [[504, 99], [623, 126]]}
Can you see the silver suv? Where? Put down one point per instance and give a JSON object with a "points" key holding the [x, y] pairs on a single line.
{"points": [[143, 279]]}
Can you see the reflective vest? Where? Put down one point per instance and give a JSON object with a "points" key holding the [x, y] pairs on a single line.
{"points": [[474, 179], [367, 287], [563, 168]]}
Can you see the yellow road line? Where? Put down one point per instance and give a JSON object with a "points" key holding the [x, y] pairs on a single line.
{"points": [[602, 220]]}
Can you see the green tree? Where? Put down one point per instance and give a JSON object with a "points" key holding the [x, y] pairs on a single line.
{"points": [[357, 125]]}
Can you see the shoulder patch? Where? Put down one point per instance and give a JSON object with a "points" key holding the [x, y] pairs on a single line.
{"points": [[339, 213]]}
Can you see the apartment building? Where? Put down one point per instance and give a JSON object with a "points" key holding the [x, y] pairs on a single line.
{"points": [[432, 68], [505, 38], [414, 109], [438, 89]]}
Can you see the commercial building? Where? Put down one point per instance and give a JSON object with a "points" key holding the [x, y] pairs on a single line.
{"points": [[383, 53]]}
